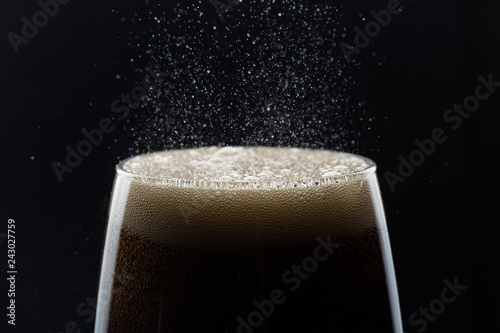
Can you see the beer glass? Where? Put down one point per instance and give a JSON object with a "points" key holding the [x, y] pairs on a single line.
{"points": [[247, 239]]}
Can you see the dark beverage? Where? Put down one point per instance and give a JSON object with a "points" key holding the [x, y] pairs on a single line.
{"points": [[247, 240]]}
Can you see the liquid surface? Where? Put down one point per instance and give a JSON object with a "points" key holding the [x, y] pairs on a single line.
{"points": [[236, 196], [246, 164]]}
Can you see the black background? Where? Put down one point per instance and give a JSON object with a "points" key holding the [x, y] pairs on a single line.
{"points": [[441, 220]]}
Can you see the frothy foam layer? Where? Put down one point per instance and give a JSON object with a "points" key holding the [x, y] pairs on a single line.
{"points": [[201, 214], [246, 164]]}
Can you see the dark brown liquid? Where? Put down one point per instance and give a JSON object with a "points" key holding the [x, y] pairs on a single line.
{"points": [[173, 289], [210, 259]]}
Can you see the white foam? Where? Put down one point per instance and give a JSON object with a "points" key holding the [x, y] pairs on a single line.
{"points": [[246, 164], [243, 196]]}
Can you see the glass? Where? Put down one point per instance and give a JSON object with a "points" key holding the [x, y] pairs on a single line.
{"points": [[248, 256]]}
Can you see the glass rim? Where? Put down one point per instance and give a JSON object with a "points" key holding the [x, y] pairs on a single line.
{"points": [[243, 184]]}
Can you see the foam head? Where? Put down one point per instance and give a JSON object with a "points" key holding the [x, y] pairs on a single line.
{"points": [[244, 195]]}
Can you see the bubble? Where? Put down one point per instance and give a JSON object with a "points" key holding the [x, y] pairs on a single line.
{"points": [[330, 174], [271, 73], [245, 164], [251, 179]]}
